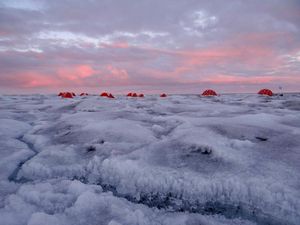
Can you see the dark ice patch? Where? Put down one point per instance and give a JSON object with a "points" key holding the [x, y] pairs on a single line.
{"points": [[261, 138]]}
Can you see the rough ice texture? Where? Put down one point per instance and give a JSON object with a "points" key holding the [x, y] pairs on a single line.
{"points": [[185, 159]]}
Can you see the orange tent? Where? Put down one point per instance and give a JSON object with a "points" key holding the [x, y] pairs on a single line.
{"points": [[209, 92], [67, 95], [110, 96], [267, 92], [163, 95]]}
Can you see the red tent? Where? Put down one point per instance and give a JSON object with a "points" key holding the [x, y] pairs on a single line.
{"points": [[110, 96], [134, 95], [104, 94], [141, 95], [60, 94], [209, 92], [163, 95], [129, 94], [83, 94], [67, 95], [267, 92]]}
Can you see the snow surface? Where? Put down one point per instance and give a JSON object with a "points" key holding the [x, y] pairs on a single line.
{"points": [[184, 159]]}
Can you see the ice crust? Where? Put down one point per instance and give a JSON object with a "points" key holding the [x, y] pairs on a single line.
{"points": [[185, 159]]}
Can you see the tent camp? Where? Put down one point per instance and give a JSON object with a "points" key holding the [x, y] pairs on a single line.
{"points": [[209, 92], [266, 92]]}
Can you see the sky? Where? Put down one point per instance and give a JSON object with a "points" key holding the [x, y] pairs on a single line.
{"points": [[149, 46]]}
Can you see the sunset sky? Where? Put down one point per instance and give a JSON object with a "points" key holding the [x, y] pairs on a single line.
{"points": [[149, 46]]}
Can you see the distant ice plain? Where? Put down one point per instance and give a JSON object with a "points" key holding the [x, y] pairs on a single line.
{"points": [[184, 159]]}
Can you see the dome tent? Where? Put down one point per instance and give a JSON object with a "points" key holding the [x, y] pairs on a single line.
{"points": [[67, 95], [163, 95], [108, 95], [84, 94], [209, 92], [134, 94], [266, 92]]}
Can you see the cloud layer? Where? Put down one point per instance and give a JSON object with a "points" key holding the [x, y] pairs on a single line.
{"points": [[149, 45]]}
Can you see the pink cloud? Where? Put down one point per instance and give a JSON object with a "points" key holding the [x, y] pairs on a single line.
{"points": [[120, 44], [195, 61], [238, 61], [75, 73], [32, 79], [116, 73], [230, 79], [85, 75]]}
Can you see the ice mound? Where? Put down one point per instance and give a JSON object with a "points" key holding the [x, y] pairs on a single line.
{"points": [[65, 202]]}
